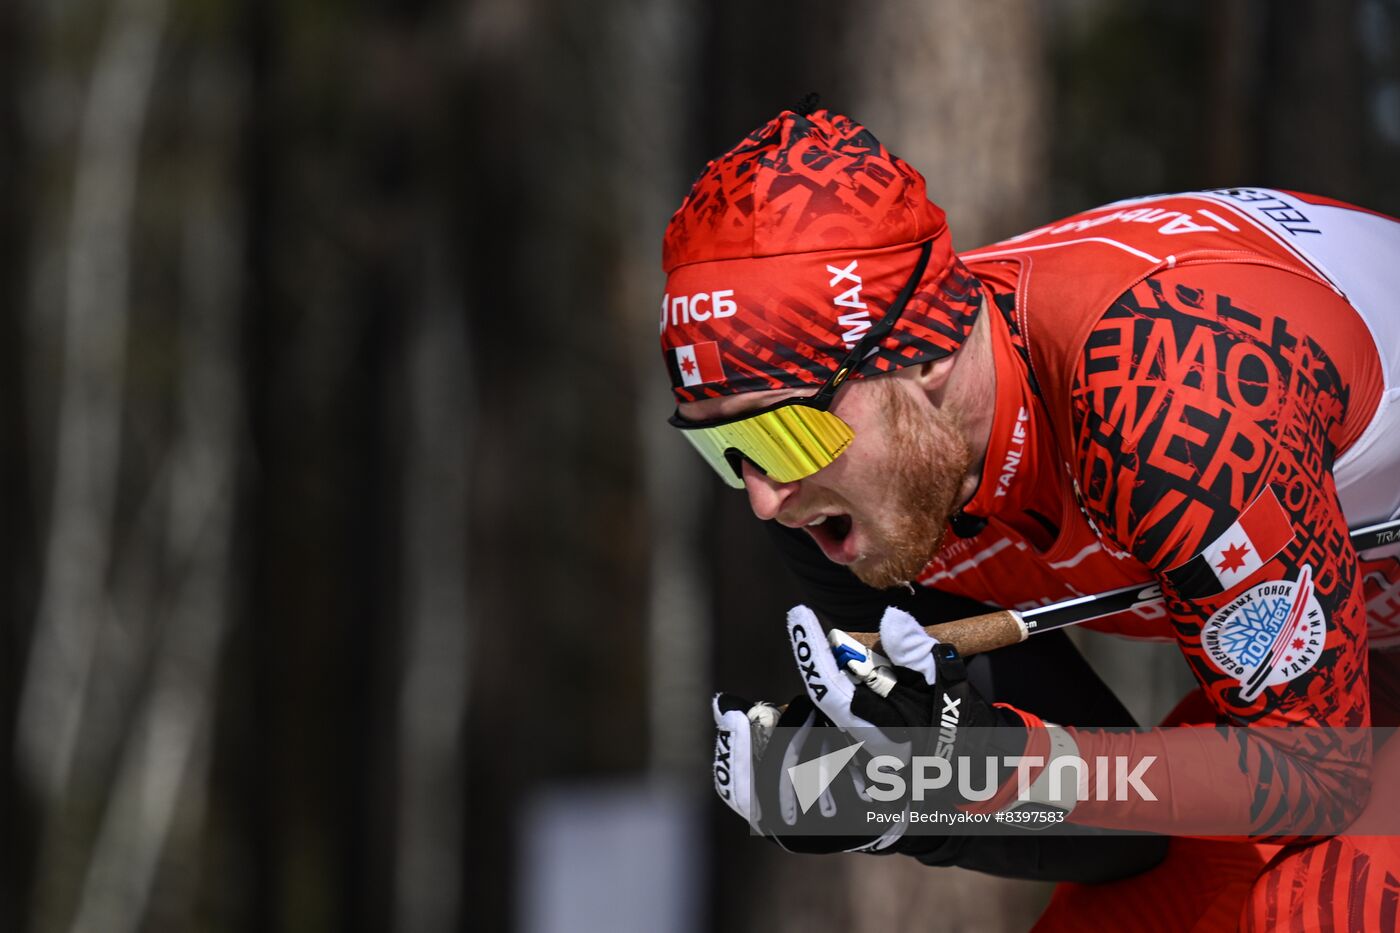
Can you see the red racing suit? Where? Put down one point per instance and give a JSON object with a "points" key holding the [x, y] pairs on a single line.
{"points": [[1203, 389], [1088, 385]]}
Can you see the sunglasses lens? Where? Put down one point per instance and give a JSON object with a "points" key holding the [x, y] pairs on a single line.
{"points": [[787, 443]]}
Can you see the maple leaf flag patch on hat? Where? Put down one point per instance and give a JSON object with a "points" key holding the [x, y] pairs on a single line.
{"points": [[699, 363], [1261, 531]]}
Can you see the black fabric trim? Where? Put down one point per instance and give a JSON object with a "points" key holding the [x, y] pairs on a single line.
{"points": [[1194, 579]]}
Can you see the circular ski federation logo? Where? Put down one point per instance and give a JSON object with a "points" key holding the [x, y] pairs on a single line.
{"points": [[1267, 635]]}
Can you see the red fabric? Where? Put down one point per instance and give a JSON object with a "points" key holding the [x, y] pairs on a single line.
{"points": [[1007, 564], [1222, 886], [1381, 582], [1178, 363], [1051, 298], [1347, 883], [1201, 887], [1166, 452], [1184, 377], [1266, 524], [794, 243], [801, 183], [787, 321]]}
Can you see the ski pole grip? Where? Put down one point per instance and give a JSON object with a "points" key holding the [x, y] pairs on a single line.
{"points": [[972, 635]]}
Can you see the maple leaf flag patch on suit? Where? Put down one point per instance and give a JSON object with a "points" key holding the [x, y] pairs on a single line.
{"points": [[1261, 531], [699, 363]]}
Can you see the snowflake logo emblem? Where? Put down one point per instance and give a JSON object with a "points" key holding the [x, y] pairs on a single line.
{"points": [[1267, 635]]}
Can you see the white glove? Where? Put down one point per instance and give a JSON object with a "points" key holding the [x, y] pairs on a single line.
{"points": [[848, 682], [759, 754]]}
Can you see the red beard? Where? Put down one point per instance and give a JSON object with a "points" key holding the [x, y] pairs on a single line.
{"points": [[931, 457]]}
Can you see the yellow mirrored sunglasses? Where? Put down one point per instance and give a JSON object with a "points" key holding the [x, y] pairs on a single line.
{"points": [[788, 442]]}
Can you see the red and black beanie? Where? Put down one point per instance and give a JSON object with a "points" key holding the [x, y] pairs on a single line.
{"points": [[789, 247]]}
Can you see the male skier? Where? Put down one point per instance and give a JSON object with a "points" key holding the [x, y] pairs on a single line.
{"points": [[1200, 389]]}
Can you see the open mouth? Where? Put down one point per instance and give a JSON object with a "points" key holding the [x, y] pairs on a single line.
{"points": [[832, 533]]}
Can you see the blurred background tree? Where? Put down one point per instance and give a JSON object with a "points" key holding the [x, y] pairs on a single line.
{"points": [[352, 579]]}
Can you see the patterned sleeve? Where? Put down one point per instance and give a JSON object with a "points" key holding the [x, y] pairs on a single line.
{"points": [[1208, 418]]}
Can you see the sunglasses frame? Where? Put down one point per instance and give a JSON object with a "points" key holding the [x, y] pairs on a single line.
{"points": [[822, 399]]}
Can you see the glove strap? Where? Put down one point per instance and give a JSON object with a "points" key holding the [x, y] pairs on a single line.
{"points": [[1055, 783]]}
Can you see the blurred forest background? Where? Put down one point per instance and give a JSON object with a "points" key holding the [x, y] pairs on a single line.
{"points": [[351, 577]]}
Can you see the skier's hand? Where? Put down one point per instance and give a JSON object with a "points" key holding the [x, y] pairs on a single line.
{"points": [[922, 705], [756, 745]]}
